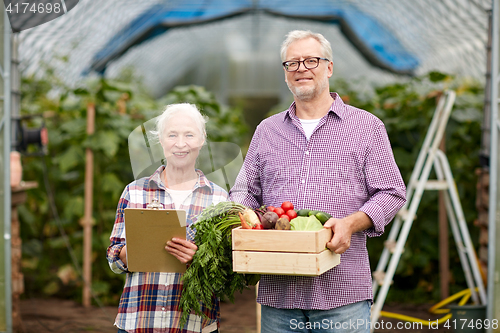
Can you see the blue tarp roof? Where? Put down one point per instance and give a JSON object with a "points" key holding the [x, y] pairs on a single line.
{"points": [[376, 43], [232, 47]]}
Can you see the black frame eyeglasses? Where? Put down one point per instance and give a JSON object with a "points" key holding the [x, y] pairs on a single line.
{"points": [[309, 63]]}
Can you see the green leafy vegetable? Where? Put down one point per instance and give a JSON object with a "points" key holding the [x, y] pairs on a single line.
{"points": [[211, 271], [303, 223]]}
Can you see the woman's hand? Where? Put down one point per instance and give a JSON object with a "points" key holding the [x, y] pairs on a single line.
{"points": [[182, 249]]}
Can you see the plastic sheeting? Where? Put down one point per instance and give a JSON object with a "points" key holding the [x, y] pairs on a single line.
{"points": [[372, 39], [239, 55]]}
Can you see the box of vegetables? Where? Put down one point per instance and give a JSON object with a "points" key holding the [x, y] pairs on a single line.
{"points": [[236, 244], [282, 240]]}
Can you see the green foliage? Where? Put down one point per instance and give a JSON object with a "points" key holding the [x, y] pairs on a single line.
{"points": [[211, 271], [51, 231], [225, 125], [47, 249], [407, 109]]}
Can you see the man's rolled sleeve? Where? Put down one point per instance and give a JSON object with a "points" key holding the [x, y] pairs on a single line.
{"points": [[384, 183], [377, 216], [381, 217]]}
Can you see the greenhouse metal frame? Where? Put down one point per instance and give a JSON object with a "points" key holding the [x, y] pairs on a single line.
{"points": [[5, 204], [493, 308]]}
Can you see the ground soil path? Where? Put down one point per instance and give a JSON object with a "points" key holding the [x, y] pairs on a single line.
{"points": [[58, 316]]}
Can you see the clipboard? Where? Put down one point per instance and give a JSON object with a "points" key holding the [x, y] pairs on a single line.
{"points": [[146, 232]]}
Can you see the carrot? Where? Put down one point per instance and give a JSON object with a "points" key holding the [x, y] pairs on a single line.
{"points": [[244, 224], [250, 217]]}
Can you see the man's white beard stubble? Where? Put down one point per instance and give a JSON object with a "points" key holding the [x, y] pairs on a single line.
{"points": [[308, 93]]}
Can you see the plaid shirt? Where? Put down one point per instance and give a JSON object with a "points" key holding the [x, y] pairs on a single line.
{"points": [[149, 302], [346, 166]]}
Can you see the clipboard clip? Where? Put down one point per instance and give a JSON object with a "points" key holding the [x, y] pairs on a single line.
{"points": [[154, 204]]}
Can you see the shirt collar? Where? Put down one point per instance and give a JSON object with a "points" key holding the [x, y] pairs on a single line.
{"points": [[338, 108], [202, 179]]}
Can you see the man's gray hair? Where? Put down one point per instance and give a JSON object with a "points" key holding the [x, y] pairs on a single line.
{"points": [[296, 35]]}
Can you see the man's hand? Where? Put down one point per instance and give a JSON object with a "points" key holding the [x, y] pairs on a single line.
{"points": [[182, 249], [341, 239], [344, 228]]}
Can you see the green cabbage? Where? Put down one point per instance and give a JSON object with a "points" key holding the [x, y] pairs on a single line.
{"points": [[302, 223]]}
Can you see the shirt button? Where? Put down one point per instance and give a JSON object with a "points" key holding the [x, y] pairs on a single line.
{"points": [[307, 152], [163, 309], [303, 181]]}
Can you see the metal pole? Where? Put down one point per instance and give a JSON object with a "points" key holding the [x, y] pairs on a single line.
{"points": [[6, 159], [15, 88], [444, 255], [493, 306]]}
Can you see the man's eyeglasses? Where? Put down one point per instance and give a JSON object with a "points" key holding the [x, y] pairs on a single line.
{"points": [[309, 63]]}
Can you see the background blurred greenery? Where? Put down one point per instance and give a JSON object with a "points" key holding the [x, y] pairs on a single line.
{"points": [[52, 235], [407, 109]]}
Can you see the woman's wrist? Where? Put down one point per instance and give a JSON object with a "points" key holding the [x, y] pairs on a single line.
{"points": [[123, 254]]}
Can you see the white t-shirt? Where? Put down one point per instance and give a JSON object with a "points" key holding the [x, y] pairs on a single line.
{"points": [[308, 125], [178, 197]]}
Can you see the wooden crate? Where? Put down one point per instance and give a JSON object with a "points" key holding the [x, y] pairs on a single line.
{"points": [[282, 252]]}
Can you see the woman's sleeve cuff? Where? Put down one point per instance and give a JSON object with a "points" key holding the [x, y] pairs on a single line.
{"points": [[116, 264]]}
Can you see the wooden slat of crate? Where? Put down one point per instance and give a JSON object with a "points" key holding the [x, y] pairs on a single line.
{"points": [[281, 240], [282, 263]]}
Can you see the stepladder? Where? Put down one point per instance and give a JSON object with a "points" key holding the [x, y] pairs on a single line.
{"points": [[429, 158]]}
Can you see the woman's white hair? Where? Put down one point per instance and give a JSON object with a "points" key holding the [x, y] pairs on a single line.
{"points": [[186, 109], [296, 35]]}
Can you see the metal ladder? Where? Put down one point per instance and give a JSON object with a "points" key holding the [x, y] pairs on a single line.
{"points": [[428, 157]]}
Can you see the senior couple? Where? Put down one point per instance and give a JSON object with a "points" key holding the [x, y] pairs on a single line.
{"points": [[339, 160]]}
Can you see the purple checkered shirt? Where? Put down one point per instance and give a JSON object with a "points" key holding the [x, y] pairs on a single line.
{"points": [[346, 166]]}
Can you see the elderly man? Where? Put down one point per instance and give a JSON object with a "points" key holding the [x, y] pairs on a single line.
{"points": [[325, 155]]}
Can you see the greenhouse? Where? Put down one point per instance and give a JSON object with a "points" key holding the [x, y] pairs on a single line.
{"points": [[83, 82]]}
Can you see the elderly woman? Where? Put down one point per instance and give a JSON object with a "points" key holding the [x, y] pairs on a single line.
{"points": [[150, 301]]}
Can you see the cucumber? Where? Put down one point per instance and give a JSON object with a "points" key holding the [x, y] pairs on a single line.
{"points": [[303, 212], [313, 212], [322, 217]]}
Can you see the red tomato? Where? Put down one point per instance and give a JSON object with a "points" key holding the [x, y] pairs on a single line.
{"points": [[271, 208], [285, 217], [279, 211], [291, 214], [287, 205], [258, 226]]}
